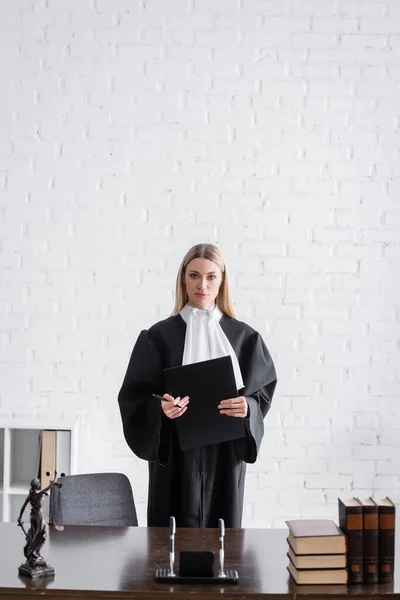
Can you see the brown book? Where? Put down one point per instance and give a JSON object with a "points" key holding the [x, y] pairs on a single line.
{"points": [[370, 540], [317, 576], [387, 524], [351, 523], [315, 536], [317, 561]]}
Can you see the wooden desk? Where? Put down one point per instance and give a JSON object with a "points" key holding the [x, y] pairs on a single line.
{"points": [[112, 562]]}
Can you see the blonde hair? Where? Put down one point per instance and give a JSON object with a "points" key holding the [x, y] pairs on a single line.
{"points": [[209, 252]]}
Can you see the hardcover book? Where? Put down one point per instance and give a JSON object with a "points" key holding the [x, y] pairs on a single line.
{"points": [[370, 540], [351, 523], [316, 536], [318, 576], [317, 561], [387, 522]]}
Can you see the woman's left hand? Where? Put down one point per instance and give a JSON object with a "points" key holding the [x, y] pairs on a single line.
{"points": [[234, 407]]}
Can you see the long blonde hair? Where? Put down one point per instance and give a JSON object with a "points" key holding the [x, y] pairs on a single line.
{"points": [[209, 252]]}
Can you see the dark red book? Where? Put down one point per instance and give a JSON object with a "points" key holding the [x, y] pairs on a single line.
{"points": [[351, 523], [370, 540], [387, 523]]}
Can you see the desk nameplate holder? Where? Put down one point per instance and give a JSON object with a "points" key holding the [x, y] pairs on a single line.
{"points": [[197, 566], [231, 578]]}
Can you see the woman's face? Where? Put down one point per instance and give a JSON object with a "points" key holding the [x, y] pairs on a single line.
{"points": [[202, 281]]}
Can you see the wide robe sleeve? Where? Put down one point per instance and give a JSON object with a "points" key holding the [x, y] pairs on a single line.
{"points": [[259, 375], [146, 429]]}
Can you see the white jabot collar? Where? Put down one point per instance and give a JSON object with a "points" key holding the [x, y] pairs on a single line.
{"points": [[205, 338]]}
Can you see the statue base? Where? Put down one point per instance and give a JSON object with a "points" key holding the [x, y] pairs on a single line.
{"points": [[41, 570]]}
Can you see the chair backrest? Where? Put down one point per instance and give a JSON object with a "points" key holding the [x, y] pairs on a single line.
{"points": [[93, 499]]}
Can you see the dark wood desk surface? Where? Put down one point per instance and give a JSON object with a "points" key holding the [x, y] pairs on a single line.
{"points": [[102, 562]]}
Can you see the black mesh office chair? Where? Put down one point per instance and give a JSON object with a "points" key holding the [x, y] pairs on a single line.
{"points": [[93, 499]]}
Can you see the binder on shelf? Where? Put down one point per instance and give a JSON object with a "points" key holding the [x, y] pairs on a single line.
{"points": [[48, 457]]}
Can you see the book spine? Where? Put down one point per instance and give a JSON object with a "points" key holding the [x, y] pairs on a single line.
{"points": [[386, 543], [351, 523], [371, 544]]}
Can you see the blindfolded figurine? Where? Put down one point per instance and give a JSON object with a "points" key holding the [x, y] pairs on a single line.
{"points": [[35, 537]]}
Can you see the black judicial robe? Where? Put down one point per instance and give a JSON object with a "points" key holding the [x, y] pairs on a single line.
{"points": [[200, 485]]}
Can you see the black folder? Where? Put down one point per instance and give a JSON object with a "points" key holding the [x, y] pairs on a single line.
{"points": [[206, 383]]}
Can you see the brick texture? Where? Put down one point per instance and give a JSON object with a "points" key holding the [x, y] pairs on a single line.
{"points": [[132, 129]]}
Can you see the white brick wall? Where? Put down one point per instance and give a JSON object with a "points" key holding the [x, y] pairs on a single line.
{"points": [[132, 129]]}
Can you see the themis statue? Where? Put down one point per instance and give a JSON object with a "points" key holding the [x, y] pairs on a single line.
{"points": [[35, 537]]}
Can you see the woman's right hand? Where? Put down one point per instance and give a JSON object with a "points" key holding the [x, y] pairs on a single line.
{"points": [[170, 406]]}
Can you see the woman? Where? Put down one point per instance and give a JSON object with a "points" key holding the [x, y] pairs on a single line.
{"points": [[200, 485]]}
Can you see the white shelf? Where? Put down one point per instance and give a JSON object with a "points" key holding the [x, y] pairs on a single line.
{"points": [[19, 488], [20, 451]]}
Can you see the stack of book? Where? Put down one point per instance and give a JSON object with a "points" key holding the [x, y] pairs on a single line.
{"points": [[316, 551], [369, 526]]}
